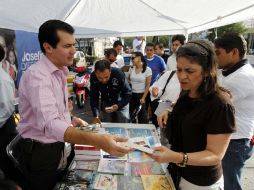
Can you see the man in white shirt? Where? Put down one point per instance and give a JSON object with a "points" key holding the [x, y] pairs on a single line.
{"points": [[118, 46], [238, 77], [139, 44], [176, 42], [7, 123]]}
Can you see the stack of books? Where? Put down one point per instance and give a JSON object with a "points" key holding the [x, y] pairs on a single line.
{"points": [[86, 152]]}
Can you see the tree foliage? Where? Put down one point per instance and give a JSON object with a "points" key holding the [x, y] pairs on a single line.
{"points": [[235, 27]]}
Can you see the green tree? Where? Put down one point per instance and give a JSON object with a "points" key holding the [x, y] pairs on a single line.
{"points": [[236, 27]]}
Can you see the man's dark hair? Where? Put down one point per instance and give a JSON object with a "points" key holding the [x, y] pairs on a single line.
{"points": [[110, 51], [161, 46], [48, 32], [150, 45], [117, 43], [181, 38], [230, 41], [2, 52], [102, 65]]}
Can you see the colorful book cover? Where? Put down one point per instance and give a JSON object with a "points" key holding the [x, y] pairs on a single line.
{"points": [[129, 183], [138, 156], [155, 182], [91, 165], [105, 182], [112, 166], [72, 185], [122, 132], [79, 176], [136, 132], [145, 168], [105, 155]]}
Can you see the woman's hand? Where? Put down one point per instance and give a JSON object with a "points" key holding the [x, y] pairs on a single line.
{"points": [[155, 91], [162, 119], [142, 100], [164, 155]]}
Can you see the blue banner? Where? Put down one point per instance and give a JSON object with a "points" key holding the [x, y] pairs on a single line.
{"points": [[28, 50]]}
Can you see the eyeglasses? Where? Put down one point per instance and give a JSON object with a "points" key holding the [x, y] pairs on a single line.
{"points": [[70, 98]]}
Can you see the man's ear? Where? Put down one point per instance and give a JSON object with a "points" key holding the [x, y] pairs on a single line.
{"points": [[48, 48], [235, 51]]}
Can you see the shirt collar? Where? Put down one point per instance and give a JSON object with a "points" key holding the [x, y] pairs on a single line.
{"points": [[234, 68], [52, 68]]}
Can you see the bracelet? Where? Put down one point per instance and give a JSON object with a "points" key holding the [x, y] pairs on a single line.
{"points": [[185, 160]]}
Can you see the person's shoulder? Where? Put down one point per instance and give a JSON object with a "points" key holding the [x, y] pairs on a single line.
{"points": [[222, 97], [116, 72]]}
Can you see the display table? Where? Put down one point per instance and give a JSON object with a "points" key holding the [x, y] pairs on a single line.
{"points": [[93, 169]]}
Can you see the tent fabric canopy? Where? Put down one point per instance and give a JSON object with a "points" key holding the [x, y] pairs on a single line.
{"points": [[104, 18]]}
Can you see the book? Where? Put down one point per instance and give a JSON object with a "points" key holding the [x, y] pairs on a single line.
{"points": [[87, 157], [79, 176], [105, 182], [105, 155], [91, 165], [129, 183], [71, 185], [155, 182], [86, 149], [122, 132], [112, 166], [142, 148], [137, 132], [144, 168], [138, 156]]}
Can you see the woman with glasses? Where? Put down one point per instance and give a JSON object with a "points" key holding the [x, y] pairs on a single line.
{"points": [[140, 78], [200, 124]]}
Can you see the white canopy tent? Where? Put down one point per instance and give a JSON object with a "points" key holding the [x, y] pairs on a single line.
{"points": [[103, 18]]}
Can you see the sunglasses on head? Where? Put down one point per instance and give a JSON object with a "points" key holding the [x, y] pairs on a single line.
{"points": [[191, 50], [133, 57], [70, 98]]}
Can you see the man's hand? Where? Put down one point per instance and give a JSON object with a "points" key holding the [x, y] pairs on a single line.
{"points": [[113, 108], [108, 143], [78, 122], [155, 91], [96, 120], [162, 119]]}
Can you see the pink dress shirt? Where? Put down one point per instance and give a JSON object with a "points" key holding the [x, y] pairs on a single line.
{"points": [[43, 102]]}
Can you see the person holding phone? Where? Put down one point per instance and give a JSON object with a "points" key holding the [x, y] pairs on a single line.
{"points": [[110, 85]]}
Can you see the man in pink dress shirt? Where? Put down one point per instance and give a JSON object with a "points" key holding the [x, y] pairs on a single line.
{"points": [[45, 122]]}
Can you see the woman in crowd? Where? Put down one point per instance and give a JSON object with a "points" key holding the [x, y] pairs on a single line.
{"points": [[11, 57], [140, 78], [200, 124]]}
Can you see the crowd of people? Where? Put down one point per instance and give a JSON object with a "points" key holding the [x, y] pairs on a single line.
{"points": [[208, 119]]}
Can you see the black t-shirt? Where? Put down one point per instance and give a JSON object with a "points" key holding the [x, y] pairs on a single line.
{"points": [[190, 122]]}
